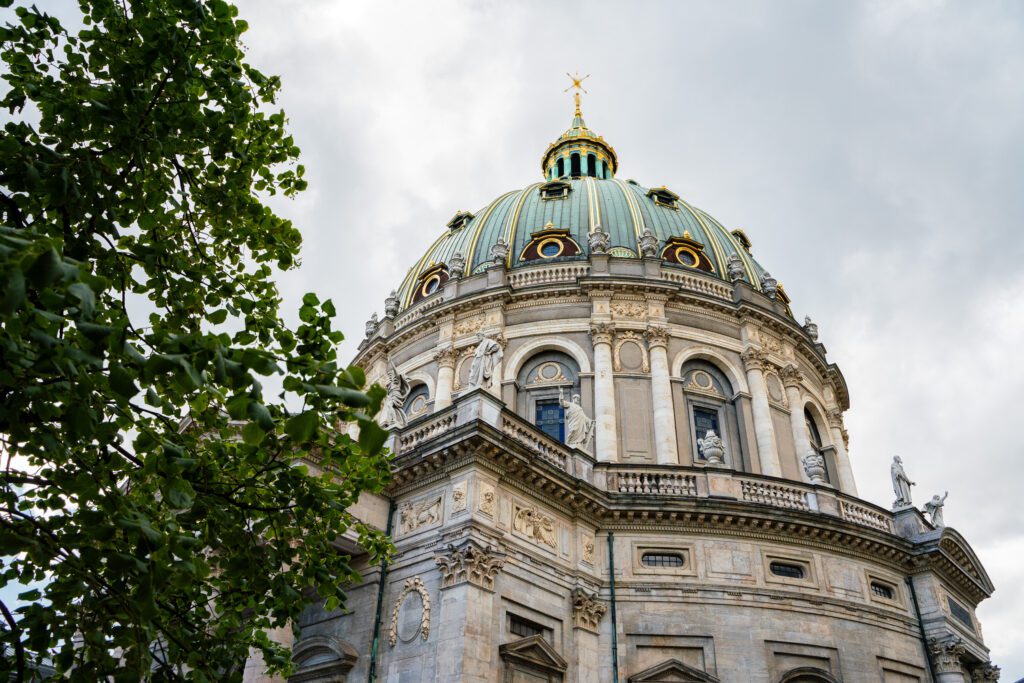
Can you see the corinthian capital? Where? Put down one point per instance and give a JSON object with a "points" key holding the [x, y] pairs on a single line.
{"points": [[835, 418], [656, 336], [984, 672], [753, 359], [587, 610], [446, 357], [791, 377], [946, 654], [602, 333], [472, 563]]}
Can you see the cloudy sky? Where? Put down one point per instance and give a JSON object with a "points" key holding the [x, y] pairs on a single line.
{"points": [[873, 152]]}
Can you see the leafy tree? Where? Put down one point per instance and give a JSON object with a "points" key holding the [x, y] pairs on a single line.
{"points": [[170, 507]]}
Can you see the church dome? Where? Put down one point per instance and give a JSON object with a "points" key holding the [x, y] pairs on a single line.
{"points": [[552, 221]]}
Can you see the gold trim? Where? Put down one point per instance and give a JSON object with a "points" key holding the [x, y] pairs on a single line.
{"points": [[550, 240]]}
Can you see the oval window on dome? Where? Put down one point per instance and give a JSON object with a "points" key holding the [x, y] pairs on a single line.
{"points": [[549, 243], [551, 248], [687, 257], [431, 284]]}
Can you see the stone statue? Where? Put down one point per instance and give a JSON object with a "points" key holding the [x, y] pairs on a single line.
{"points": [[934, 509], [769, 285], [735, 268], [648, 244], [486, 357], [392, 409], [499, 252], [814, 466], [712, 448], [900, 483], [599, 241], [391, 305], [810, 328], [578, 427], [371, 325], [457, 266]]}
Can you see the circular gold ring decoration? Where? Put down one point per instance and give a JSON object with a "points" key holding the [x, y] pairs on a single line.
{"points": [[551, 240], [691, 258], [430, 285]]}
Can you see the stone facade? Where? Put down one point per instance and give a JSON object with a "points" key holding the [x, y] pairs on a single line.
{"points": [[710, 529]]}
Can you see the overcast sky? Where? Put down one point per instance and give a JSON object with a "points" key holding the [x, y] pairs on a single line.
{"points": [[873, 152]]}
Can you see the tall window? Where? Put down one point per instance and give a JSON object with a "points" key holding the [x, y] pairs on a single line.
{"points": [[574, 165], [591, 165], [710, 403], [551, 418], [561, 168], [604, 169], [704, 420], [814, 436]]}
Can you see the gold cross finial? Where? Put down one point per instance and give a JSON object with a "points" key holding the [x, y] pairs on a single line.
{"points": [[577, 83]]}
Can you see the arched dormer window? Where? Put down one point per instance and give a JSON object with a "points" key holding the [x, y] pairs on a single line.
{"points": [[574, 165], [555, 189], [710, 404], [417, 402], [539, 381], [430, 282], [549, 243], [592, 165]]}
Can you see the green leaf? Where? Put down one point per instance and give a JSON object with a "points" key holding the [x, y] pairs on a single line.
{"points": [[371, 437], [13, 290], [122, 382], [253, 434], [302, 427], [258, 412]]}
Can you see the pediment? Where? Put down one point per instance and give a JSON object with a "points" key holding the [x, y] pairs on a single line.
{"points": [[956, 548], [533, 651], [672, 671]]}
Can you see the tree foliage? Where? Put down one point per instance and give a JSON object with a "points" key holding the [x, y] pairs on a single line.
{"points": [[149, 483]]}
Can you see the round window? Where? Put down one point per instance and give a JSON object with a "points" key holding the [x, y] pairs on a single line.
{"points": [[686, 257], [551, 248], [431, 285]]}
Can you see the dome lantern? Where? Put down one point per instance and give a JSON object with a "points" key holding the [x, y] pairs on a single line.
{"points": [[579, 152]]}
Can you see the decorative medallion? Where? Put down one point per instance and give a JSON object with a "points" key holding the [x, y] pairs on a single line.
{"points": [[413, 585], [487, 499], [588, 550], [632, 357], [459, 496]]}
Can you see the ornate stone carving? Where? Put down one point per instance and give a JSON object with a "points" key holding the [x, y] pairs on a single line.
{"points": [[468, 326], [415, 584], [371, 325], [602, 333], [810, 328], [934, 509], [735, 269], [487, 499], [535, 525], [656, 336], [423, 513], [791, 376], [621, 339], [770, 343], [447, 356], [985, 672], [713, 448], [579, 428], [486, 357], [769, 285], [587, 610], [946, 654], [814, 466], [648, 244], [471, 563], [753, 359], [588, 550], [835, 418], [457, 265], [499, 252], [900, 483], [392, 410], [599, 241], [459, 497], [629, 309], [391, 304]]}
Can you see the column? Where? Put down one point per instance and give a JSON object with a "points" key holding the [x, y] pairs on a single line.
{"points": [[604, 392], [445, 358], [847, 484], [791, 378], [946, 656], [767, 453], [661, 393]]}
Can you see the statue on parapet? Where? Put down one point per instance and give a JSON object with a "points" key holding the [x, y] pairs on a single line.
{"points": [[486, 357], [934, 509], [900, 483]]}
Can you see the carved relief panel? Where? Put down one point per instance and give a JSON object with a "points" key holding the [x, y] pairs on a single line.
{"points": [[532, 523], [420, 514]]}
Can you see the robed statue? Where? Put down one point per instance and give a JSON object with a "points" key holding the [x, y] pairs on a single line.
{"points": [[485, 359], [578, 427], [392, 409], [900, 483], [934, 509]]}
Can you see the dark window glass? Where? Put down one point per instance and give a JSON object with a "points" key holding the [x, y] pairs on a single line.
{"points": [[518, 626], [604, 169], [662, 560], [882, 590], [960, 613], [812, 431], [591, 165], [790, 571], [549, 249], [703, 420], [551, 418], [432, 285], [574, 165], [561, 168]]}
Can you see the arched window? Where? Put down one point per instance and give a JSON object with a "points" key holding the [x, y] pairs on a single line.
{"points": [[807, 674], [561, 167], [710, 405], [574, 165], [591, 165], [417, 402], [604, 169], [540, 380], [819, 446]]}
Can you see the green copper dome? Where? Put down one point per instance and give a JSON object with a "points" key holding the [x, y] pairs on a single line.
{"points": [[552, 221]]}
